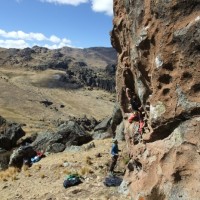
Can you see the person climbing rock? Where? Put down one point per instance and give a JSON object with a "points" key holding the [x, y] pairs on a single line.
{"points": [[133, 100], [114, 153], [134, 116], [135, 105]]}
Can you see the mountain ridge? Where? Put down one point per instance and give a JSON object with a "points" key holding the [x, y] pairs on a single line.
{"points": [[98, 57]]}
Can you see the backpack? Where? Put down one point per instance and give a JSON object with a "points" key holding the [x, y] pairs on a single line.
{"points": [[71, 180]]}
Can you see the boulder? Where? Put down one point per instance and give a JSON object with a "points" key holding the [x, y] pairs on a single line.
{"points": [[4, 159], [73, 134], [74, 148], [101, 135], [18, 155], [117, 114], [29, 139], [87, 123], [44, 139], [120, 132], [55, 148], [10, 133], [102, 130], [116, 118], [103, 125], [67, 134], [2, 121]]}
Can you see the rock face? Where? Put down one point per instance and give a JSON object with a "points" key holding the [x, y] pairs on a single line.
{"points": [[84, 76], [10, 133], [158, 45]]}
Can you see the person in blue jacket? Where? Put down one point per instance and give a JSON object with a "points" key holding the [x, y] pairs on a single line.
{"points": [[114, 153]]}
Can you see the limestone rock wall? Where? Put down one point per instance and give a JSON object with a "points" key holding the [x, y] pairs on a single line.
{"points": [[158, 45]]}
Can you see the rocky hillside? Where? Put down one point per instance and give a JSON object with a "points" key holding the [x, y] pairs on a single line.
{"points": [[43, 58], [158, 43], [94, 67]]}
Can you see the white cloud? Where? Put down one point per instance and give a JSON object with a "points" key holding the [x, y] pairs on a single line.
{"points": [[20, 39], [13, 44], [36, 36], [22, 35], [55, 46], [105, 6], [54, 39], [66, 41], [66, 2], [63, 43]]}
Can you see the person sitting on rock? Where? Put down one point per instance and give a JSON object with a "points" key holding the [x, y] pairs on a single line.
{"points": [[114, 153]]}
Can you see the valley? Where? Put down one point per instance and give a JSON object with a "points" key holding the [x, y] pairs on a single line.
{"points": [[22, 92]]}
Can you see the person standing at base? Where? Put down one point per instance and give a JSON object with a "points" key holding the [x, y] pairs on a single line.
{"points": [[115, 155]]}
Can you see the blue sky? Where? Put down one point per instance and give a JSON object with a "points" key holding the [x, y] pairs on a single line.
{"points": [[55, 23]]}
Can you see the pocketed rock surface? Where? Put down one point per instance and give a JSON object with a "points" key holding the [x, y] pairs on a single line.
{"points": [[158, 59]]}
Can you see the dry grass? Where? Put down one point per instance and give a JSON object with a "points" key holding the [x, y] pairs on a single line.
{"points": [[48, 174], [66, 171], [42, 175], [37, 167], [85, 171], [25, 168], [14, 178], [28, 174], [27, 84], [9, 173], [88, 160]]}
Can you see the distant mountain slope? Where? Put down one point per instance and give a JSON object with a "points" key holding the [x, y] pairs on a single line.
{"points": [[43, 58], [94, 67]]}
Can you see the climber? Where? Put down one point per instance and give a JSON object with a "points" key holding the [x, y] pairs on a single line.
{"points": [[134, 116], [115, 155], [133, 100], [135, 104]]}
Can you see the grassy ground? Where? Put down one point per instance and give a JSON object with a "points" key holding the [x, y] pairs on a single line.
{"points": [[21, 92], [43, 180]]}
